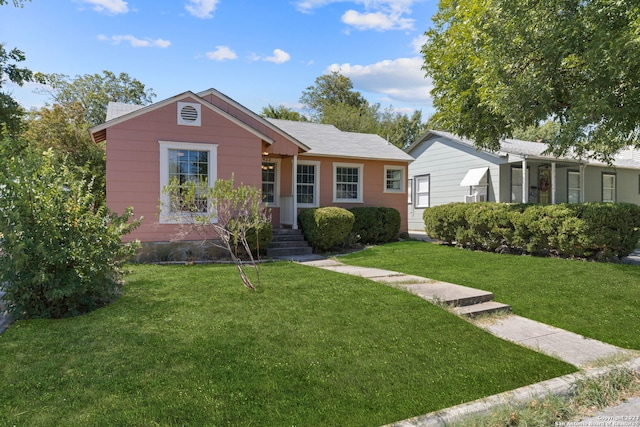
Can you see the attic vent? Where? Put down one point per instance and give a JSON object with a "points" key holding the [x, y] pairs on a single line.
{"points": [[188, 114]]}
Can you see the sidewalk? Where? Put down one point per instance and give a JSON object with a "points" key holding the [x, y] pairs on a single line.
{"points": [[582, 352]]}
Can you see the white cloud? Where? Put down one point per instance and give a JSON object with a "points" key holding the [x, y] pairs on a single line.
{"points": [[201, 8], [418, 42], [222, 53], [136, 42], [376, 14], [398, 80], [376, 21], [113, 7], [279, 56]]}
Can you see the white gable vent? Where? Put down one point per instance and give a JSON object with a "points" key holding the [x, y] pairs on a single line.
{"points": [[189, 113]]}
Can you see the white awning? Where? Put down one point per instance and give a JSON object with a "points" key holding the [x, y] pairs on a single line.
{"points": [[475, 176]]}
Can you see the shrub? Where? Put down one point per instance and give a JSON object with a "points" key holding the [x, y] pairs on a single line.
{"points": [[61, 251], [603, 231], [235, 213], [490, 225], [327, 227], [376, 224], [446, 222], [613, 229], [258, 237]]}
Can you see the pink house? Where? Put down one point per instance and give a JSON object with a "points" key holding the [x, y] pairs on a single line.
{"points": [[297, 164]]}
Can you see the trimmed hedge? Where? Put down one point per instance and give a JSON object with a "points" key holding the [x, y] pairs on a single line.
{"points": [[376, 224], [325, 228], [587, 230]]}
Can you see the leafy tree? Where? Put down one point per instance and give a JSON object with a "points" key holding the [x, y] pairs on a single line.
{"points": [[501, 65], [332, 100], [94, 91], [331, 90], [61, 252], [65, 131], [400, 129], [16, 3], [349, 118], [283, 113], [232, 213], [546, 132], [11, 113]]}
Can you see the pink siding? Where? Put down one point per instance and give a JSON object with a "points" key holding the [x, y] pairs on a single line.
{"points": [[372, 188], [133, 161], [133, 164], [281, 146]]}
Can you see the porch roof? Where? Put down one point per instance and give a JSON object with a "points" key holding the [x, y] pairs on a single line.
{"points": [[535, 150]]}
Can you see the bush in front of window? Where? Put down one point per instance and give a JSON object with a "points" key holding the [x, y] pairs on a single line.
{"points": [[327, 227], [61, 251], [446, 222], [375, 225]]}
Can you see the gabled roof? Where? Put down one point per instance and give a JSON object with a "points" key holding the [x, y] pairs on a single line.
{"points": [[311, 138], [507, 146], [329, 141], [119, 114], [253, 115], [529, 149], [117, 109]]}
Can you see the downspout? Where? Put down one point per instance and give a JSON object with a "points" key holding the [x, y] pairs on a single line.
{"points": [[553, 183], [583, 166], [294, 179], [525, 182]]}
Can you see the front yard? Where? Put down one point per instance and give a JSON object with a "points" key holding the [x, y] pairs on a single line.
{"points": [[189, 345], [597, 300]]}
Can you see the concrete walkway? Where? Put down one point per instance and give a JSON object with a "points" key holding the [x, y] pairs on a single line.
{"points": [[582, 352], [572, 348]]}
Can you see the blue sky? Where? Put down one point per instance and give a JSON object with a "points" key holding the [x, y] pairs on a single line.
{"points": [[258, 52]]}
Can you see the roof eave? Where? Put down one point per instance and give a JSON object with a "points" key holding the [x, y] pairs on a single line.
{"points": [[257, 117], [97, 134]]}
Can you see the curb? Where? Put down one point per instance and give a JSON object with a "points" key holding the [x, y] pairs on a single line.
{"points": [[560, 386]]}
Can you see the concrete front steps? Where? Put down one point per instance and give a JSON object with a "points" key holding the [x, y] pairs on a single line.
{"points": [[464, 301], [288, 242]]}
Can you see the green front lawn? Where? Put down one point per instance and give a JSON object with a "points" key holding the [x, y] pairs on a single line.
{"points": [[189, 345], [597, 300]]}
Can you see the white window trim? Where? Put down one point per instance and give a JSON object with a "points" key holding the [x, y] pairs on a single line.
{"points": [[579, 188], [403, 179], [316, 187], [614, 188], [360, 168], [276, 196], [410, 191], [416, 195], [167, 217]]}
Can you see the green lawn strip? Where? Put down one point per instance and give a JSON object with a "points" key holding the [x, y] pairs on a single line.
{"points": [[597, 300], [189, 345]]}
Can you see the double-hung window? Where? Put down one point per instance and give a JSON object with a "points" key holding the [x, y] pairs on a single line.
{"points": [[574, 187], [347, 182], [308, 182], [608, 187], [185, 163], [422, 189], [394, 179], [269, 182]]}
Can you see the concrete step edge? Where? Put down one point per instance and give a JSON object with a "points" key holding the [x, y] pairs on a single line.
{"points": [[482, 308]]}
